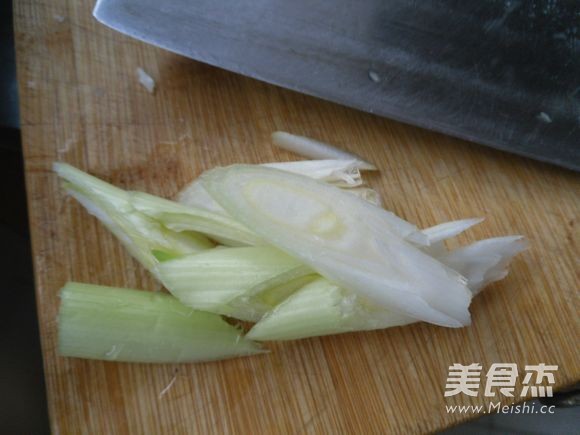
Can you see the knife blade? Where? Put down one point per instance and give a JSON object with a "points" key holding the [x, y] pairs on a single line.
{"points": [[501, 73]]}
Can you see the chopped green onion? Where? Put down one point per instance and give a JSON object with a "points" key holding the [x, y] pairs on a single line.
{"points": [[439, 233], [450, 229], [341, 173], [225, 280], [352, 243], [485, 261], [301, 220], [140, 234], [268, 299], [369, 195], [322, 308], [117, 324], [315, 149], [195, 195], [178, 218]]}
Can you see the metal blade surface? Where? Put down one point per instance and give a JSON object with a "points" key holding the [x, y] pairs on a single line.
{"points": [[501, 73]]}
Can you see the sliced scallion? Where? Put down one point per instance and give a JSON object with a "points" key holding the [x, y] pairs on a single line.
{"points": [[117, 324], [352, 243], [315, 149], [226, 280]]}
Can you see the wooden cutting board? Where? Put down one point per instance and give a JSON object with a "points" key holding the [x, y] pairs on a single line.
{"points": [[81, 103]]}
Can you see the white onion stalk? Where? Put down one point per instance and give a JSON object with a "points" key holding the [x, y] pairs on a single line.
{"points": [[342, 173], [450, 229], [259, 284], [485, 261], [369, 195], [195, 195], [352, 243], [323, 308], [439, 233], [314, 149]]}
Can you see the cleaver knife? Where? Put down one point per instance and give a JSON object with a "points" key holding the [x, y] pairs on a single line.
{"points": [[501, 73]]}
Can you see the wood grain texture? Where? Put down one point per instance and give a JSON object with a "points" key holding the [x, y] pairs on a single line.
{"points": [[81, 103]]}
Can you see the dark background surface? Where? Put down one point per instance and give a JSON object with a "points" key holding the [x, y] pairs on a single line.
{"points": [[23, 408]]}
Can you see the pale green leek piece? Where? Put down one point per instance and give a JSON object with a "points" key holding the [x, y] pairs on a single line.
{"points": [[302, 258], [233, 281], [151, 228], [118, 324], [141, 235], [323, 308]]}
